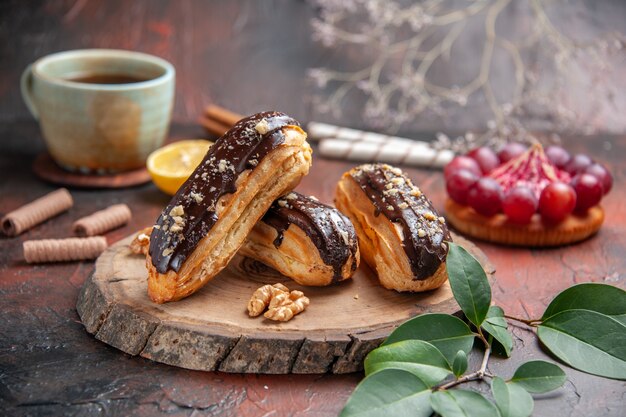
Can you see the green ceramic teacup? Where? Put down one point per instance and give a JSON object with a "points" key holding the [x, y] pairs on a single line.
{"points": [[100, 110]]}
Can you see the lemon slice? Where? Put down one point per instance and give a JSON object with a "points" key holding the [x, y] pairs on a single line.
{"points": [[171, 165]]}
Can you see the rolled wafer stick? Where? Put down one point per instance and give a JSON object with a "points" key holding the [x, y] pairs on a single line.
{"points": [[36, 212], [394, 151], [102, 221], [58, 250]]}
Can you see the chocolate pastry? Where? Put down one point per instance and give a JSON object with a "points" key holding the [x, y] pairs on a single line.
{"points": [[310, 242], [261, 158], [401, 236]]}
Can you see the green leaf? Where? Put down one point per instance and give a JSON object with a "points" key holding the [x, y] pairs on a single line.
{"points": [[391, 392], [495, 325], [512, 400], [461, 403], [415, 356], [447, 333], [602, 298], [469, 284], [459, 364], [539, 376], [588, 341]]}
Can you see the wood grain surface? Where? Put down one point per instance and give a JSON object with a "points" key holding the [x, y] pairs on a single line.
{"points": [[211, 329], [50, 365]]}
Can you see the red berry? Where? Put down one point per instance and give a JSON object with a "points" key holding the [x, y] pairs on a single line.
{"points": [[486, 158], [602, 174], [558, 156], [485, 196], [557, 201], [459, 183], [462, 162], [520, 204], [578, 163], [510, 151], [588, 191]]}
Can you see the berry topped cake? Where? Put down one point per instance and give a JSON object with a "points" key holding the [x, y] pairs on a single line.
{"points": [[526, 196]]}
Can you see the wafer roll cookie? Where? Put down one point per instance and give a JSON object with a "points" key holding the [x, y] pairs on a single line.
{"points": [[58, 250], [36, 212], [395, 151], [102, 221]]}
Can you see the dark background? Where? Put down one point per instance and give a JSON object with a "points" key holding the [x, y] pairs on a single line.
{"points": [[245, 55], [254, 55], [248, 56]]}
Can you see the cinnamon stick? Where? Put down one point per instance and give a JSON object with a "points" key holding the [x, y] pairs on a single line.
{"points": [[222, 115], [213, 126]]}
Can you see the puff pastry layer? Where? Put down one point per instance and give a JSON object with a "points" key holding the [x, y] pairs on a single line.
{"points": [[310, 242], [261, 158], [401, 236]]}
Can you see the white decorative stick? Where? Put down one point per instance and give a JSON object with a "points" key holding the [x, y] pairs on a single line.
{"points": [[357, 145], [394, 151], [319, 131]]}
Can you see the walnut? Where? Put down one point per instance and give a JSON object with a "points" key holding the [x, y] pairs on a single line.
{"points": [[141, 243], [197, 197], [416, 192], [262, 297], [430, 216], [282, 305], [262, 127], [177, 211]]}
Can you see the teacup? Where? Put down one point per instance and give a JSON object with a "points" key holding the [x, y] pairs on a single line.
{"points": [[100, 110]]}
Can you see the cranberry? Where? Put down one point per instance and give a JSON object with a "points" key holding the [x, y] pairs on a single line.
{"points": [[486, 158], [588, 191], [485, 196], [557, 201], [578, 163], [602, 174], [520, 204], [558, 156], [462, 162], [510, 151], [459, 183]]}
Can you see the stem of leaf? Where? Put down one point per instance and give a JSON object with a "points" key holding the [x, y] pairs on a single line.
{"points": [[480, 374], [532, 323]]}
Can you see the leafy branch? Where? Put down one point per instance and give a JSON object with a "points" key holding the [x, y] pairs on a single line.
{"points": [[400, 45], [417, 370]]}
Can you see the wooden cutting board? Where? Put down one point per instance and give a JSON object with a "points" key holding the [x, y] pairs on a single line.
{"points": [[211, 330]]}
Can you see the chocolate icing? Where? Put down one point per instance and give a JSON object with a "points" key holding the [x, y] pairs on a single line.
{"points": [[191, 213], [392, 194], [332, 233]]}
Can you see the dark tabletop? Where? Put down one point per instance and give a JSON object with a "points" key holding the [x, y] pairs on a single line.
{"points": [[49, 364]]}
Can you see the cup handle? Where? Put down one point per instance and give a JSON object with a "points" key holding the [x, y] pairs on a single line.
{"points": [[26, 85]]}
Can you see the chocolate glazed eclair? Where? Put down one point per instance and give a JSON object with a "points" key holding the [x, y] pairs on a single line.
{"points": [[261, 158], [401, 236], [310, 242]]}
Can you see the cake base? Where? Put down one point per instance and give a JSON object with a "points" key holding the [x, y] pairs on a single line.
{"points": [[538, 233]]}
